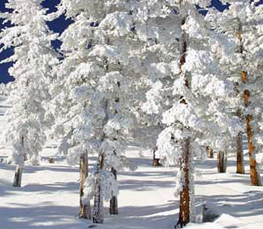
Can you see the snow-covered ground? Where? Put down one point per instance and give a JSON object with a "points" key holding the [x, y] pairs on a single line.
{"points": [[48, 198]]}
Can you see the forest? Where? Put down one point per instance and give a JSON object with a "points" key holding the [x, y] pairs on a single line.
{"points": [[158, 98]]}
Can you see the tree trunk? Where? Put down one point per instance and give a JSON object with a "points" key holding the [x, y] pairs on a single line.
{"points": [[19, 168], [210, 152], [184, 211], [156, 161], [114, 201], [85, 209], [113, 210], [254, 174], [221, 162], [240, 157], [98, 211], [18, 176], [98, 214]]}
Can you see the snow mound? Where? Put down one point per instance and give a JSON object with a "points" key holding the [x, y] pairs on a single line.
{"points": [[229, 221], [204, 226], [225, 221]]}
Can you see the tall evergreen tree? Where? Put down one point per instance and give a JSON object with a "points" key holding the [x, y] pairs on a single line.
{"points": [[242, 23], [187, 87], [94, 89], [33, 59]]}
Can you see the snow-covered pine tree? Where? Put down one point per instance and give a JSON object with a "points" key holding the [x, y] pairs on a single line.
{"points": [[69, 110], [95, 83], [187, 87], [148, 126], [242, 23], [33, 59], [224, 50]]}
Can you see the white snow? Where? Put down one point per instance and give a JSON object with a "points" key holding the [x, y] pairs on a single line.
{"points": [[49, 198]]}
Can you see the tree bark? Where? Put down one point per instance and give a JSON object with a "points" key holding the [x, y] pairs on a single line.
{"points": [[210, 152], [98, 211], [221, 162], [98, 214], [18, 176], [184, 210], [156, 161], [113, 210], [254, 174], [19, 168], [114, 201], [85, 209], [240, 156]]}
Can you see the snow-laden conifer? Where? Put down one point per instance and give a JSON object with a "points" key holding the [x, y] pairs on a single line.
{"points": [[242, 24], [33, 59], [188, 87], [94, 92]]}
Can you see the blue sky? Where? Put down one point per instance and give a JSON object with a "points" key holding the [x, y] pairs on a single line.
{"points": [[58, 26]]}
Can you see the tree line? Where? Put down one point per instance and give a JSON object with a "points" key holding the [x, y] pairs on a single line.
{"points": [[179, 76]]}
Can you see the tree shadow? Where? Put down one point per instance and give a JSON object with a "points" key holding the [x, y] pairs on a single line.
{"points": [[49, 216], [142, 217], [6, 188], [149, 173], [51, 188], [219, 178], [146, 185], [34, 169], [247, 204], [19, 216], [45, 216]]}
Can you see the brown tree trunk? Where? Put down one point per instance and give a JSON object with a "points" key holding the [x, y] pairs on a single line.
{"points": [[156, 161], [19, 169], [113, 210], [184, 210], [254, 174], [98, 214], [239, 148], [240, 156], [210, 152], [18, 176], [85, 209], [114, 201], [221, 162]]}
